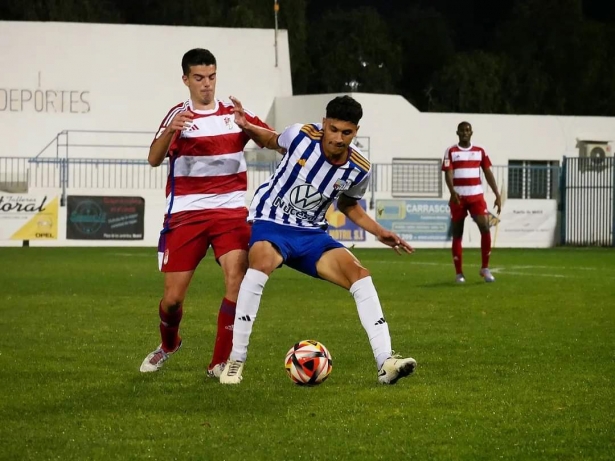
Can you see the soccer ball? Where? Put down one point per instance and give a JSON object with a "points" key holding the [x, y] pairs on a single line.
{"points": [[308, 363]]}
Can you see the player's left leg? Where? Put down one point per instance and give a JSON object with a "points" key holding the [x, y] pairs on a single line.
{"points": [[481, 217], [230, 245], [268, 249], [341, 267]]}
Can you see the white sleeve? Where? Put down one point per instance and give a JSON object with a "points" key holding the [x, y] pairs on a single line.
{"points": [[288, 135], [357, 191]]}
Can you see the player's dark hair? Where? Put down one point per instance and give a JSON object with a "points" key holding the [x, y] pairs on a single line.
{"points": [[462, 124], [197, 57], [345, 108]]}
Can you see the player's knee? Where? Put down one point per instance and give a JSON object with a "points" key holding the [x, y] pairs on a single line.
{"points": [[357, 273], [483, 228], [232, 282], [171, 302]]}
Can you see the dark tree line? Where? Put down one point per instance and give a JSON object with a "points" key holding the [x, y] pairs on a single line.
{"points": [[478, 56]]}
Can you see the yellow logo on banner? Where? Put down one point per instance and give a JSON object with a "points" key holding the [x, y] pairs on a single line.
{"points": [[43, 225], [335, 218]]}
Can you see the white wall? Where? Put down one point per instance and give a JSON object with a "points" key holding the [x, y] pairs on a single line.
{"points": [[121, 77], [126, 77], [397, 129]]}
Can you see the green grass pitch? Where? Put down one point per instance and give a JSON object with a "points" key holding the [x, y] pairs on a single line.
{"points": [[521, 369]]}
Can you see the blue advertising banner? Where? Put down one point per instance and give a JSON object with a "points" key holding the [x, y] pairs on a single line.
{"points": [[341, 228], [415, 220]]}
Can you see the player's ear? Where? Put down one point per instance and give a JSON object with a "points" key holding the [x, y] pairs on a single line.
{"points": [[185, 79]]}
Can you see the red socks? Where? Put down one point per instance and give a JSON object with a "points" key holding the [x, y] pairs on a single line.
{"points": [[457, 254], [224, 335], [169, 328], [485, 248]]}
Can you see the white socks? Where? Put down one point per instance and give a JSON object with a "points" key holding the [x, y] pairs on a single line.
{"points": [[365, 296], [248, 302], [372, 318]]}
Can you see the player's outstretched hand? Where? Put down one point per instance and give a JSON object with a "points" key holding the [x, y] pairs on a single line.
{"points": [[240, 115], [181, 121], [395, 241]]}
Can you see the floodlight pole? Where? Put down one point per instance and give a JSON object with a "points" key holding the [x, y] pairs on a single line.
{"points": [[276, 8]]}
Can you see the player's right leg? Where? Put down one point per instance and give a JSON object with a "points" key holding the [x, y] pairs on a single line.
{"points": [[170, 311], [265, 255], [230, 242], [458, 216], [342, 268], [180, 251]]}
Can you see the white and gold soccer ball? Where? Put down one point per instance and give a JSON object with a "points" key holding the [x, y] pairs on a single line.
{"points": [[308, 363]]}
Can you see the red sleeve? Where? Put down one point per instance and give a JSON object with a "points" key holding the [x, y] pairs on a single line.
{"points": [[447, 161], [165, 122], [258, 122], [486, 161]]}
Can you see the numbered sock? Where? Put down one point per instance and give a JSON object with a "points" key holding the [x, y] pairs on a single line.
{"points": [[224, 334], [485, 248], [248, 302], [372, 318], [169, 327], [457, 251]]}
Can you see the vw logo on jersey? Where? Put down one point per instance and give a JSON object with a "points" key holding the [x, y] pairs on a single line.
{"points": [[305, 197]]}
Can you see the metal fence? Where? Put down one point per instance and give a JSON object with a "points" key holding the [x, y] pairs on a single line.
{"points": [[412, 178], [585, 187], [588, 202]]}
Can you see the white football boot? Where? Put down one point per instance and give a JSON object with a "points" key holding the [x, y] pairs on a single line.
{"points": [[395, 368], [232, 372]]}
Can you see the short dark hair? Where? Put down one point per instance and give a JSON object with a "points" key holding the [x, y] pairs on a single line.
{"points": [[197, 57], [345, 108], [462, 124]]}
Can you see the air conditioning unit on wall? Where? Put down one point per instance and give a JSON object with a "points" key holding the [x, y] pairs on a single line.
{"points": [[593, 155]]}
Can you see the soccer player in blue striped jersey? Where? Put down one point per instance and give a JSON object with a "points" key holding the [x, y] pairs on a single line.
{"points": [[288, 227]]}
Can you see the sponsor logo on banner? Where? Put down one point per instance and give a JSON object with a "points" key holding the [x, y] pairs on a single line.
{"points": [[28, 217], [104, 218], [528, 223], [415, 220], [341, 228]]}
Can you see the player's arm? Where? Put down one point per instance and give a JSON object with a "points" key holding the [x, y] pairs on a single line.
{"points": [[262, 136], [494, 187], [354, 211], [447, 168], [160, 146], [486, 166]]}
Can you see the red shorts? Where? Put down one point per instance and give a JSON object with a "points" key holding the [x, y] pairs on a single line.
{"points": [[182, 248], [476, 207]]}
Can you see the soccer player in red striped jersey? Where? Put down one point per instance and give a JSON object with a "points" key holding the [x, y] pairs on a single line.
{"points": [[461, 165], [206, 204]]}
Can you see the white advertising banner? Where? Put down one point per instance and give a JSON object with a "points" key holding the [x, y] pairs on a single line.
{"points": [[527, 224], [28, 217]]}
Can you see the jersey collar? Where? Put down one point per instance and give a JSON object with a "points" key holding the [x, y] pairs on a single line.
{"points": [[204, 112]]}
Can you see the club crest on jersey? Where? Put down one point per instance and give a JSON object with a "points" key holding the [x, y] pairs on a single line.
{"points": [[342, 184], [301, 162], [305, 197], [228, 122]]}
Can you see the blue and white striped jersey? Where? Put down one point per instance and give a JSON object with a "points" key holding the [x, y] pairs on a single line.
{"points": [[305, 183]]}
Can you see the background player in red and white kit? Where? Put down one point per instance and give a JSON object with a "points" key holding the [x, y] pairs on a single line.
{"points": [[206, 204], [461, 165]]}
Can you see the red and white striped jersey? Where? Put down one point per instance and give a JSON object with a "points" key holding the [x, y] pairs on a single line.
{"points": [[466, 163], [207, 168]]}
